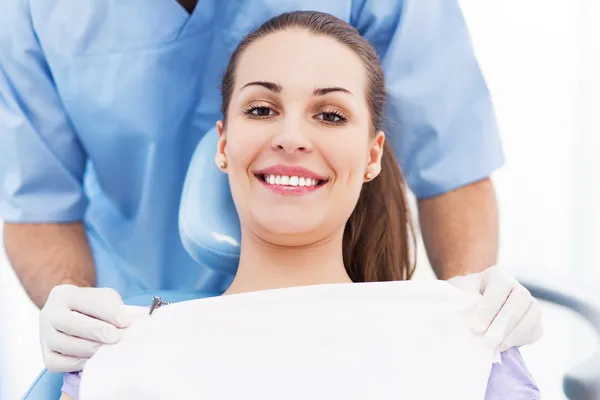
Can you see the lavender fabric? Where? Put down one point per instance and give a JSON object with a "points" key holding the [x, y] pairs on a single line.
{"points": [[509, 380], [71, 384]]}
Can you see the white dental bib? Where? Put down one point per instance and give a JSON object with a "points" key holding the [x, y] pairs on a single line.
{"points": [[368, 341]]}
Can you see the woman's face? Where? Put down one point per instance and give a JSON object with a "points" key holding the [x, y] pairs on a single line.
{"points": [[297, 140]]}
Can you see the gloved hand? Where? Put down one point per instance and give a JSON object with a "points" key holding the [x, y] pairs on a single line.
{"points": [[507, 313], [76, 321]]}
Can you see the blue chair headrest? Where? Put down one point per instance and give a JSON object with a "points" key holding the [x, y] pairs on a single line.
{"points": [[208, 222]]}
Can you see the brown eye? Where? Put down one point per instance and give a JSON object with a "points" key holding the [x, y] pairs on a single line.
{"points": [[262, 111], [332, 117], [259, 112]]}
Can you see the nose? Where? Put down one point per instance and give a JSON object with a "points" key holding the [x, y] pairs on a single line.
{"points": [[292, 136]]}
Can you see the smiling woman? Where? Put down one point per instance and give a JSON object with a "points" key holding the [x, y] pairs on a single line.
{"points": [[312, 114]]}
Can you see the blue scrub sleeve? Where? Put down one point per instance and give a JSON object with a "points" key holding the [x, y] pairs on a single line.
{"points": [[439, 113], [42, 161]]}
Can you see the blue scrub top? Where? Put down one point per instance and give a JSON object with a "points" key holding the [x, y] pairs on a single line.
{"points": [[102, 104]]}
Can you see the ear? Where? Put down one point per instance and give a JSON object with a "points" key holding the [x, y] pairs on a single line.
{"points": [[375, 155], [220, 156]]}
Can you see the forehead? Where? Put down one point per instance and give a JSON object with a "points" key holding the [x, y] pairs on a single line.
{"points": [[298, 59]]}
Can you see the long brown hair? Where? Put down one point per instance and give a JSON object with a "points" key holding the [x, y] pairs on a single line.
{"points": [[379, 236]]}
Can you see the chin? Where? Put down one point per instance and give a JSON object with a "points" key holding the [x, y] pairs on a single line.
{"points": [[281, 226], [289, 225]]}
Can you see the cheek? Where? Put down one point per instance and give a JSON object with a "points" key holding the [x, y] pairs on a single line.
{"points": [[243, 146], [347, 157]]}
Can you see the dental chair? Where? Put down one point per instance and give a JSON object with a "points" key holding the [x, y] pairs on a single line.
{"points": [[210, 231]]}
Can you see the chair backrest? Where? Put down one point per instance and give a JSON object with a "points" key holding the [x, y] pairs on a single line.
{"points": [[208, 223]]}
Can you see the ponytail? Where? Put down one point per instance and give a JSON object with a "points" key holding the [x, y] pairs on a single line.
{"points": [[379, 236]]}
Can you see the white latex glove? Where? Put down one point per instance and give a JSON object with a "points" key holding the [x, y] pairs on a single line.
{"points": [[507, 313], [76, 321]]}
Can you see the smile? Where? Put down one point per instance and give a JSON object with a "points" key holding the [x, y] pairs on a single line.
{"points": [[290, 185], [290, 180], [284, 180]]}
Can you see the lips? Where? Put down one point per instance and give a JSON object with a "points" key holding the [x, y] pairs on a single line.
{"points": [[290, 180], [290, 171]]}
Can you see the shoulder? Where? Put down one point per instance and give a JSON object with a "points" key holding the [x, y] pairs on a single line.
{"points": [[511, 379]]}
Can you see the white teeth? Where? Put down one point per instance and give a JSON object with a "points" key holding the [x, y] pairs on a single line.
{"points": [[290, 180]]}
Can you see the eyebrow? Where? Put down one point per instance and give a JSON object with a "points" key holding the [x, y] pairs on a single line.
{"points": [[273, 87], [324, 91]]}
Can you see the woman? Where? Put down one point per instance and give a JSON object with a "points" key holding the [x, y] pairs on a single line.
{"points": [[320, 197]]}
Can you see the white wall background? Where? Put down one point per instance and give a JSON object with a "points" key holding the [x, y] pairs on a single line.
{"points": [[542, 63]]}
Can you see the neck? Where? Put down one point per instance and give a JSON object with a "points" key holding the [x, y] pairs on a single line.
{"points": [[266, 266]]}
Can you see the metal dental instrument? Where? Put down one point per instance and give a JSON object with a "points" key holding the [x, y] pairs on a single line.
{"points": [[156, 303]]}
